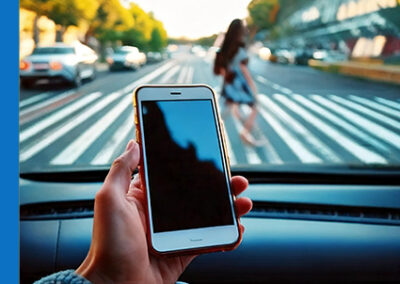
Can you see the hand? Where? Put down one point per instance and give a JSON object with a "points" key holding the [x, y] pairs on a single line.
{"points": [[119, 251]]}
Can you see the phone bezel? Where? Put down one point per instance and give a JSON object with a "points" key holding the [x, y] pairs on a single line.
{"points": [[190, 239]]}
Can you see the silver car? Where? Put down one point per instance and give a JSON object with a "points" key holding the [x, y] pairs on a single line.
{"points": [[126, 57], [59, 62]]}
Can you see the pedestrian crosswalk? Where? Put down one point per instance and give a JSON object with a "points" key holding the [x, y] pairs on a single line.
{"points": [[297, 128]]}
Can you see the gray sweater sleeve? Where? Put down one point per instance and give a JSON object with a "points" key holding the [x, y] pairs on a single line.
{"points": [[63, 277]]}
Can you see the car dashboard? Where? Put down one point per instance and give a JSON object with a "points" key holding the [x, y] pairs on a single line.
{"points": [[296, 232]]}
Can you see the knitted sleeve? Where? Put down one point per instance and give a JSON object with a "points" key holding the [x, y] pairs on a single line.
{"points": [[63, 277]]}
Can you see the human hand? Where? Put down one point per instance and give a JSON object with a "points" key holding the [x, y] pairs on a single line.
{"points": [[119, 252]]}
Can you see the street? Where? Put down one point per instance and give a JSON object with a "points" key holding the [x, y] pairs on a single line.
{"points": [[305, 116]]}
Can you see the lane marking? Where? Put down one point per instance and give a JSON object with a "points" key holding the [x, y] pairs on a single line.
{"points": [[189, 77], [75, 121], [168, 75], [376, 106], [375, 129], [269, 150], [46, 102], [182, 75], [303, 132], [105, 156], [367, 111], [341, 123], [57, 116], [33, 99], [304, 155], [74, 150], [387, 102], [357, 150]]}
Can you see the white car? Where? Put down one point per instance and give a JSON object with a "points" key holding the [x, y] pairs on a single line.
{"points": [[58, 62], [126, 57]]}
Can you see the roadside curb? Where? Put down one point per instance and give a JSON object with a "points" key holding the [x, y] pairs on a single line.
{"points": [[376, 72]]}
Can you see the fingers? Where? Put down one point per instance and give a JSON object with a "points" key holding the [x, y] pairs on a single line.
{"points": [[243, 206], [239, 184], [120, 174]]}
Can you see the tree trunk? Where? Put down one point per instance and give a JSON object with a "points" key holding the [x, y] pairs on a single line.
{"points": [[60, 30], [36, 30]]}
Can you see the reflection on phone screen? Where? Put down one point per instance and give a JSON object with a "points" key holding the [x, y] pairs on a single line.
{"points": [[188, 188]]}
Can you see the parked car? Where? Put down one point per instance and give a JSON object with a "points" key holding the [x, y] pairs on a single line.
{"points": [[329, 55], [126, 57], [302, 55], [154, 56], [58, 62]]}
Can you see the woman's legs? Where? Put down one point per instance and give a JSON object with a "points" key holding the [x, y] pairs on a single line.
{"points": [[248, 126]]}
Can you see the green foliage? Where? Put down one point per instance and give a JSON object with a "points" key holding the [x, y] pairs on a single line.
{"points": [[262, 13], [108, 20], [63, 12]]}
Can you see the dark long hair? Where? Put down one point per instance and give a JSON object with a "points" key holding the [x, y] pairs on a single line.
{"points": [[232, 41]]}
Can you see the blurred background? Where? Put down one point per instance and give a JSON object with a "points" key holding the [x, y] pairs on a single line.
{"points": [[328, 73]]}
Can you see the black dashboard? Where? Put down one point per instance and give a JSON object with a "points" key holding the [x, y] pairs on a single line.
{"points": [[296, 232]]}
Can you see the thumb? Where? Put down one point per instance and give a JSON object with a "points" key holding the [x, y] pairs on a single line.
{"points": [[120, 175]]}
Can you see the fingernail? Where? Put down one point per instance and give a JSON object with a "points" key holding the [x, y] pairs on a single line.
{"points": [[130, 145]]}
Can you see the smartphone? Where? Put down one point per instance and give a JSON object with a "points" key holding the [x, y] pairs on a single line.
{"points": [[185, 169]]}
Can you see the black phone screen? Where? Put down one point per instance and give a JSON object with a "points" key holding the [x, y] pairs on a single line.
{"points": [[185, 171]]}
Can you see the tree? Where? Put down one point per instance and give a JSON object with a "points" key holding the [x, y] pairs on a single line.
{"points": [[40, 8], [262, 14], [156, 41], [63, 12]]}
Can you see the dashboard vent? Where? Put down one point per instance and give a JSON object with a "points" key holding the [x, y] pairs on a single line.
{"points": [[320, 212], [57, 210]]}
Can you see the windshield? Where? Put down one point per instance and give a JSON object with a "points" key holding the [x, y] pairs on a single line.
{"points": [[53, 50], [300, 84]]}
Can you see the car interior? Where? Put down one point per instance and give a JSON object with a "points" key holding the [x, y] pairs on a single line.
{"points": [[303, 227]]}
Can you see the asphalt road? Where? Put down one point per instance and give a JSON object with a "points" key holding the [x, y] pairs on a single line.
{"points": [[305, 116]]}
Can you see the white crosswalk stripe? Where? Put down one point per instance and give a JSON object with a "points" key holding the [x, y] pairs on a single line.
{"points": [[46, 102], [29, 151], [105, 156], [57, 116], [357, 150], [382, 118], [168, 75], [389, 103], [182, 75], [74, 150], [375, 129], [362, 127], [189, 77], [292, 142], [51, 137], [376, 106], [367, 139], [300, 130], [33, 99]]}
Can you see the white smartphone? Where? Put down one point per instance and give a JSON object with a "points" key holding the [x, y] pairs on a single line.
{"points": [[185, 170]]}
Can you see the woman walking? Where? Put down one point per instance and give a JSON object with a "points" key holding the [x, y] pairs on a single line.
{"points": [[239, 88]]}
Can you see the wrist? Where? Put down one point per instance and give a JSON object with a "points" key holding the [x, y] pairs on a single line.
{"points": [[89, 270]]}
